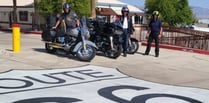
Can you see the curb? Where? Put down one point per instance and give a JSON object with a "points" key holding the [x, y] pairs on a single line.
{"points": [[185, 49], [23, 31], [32, 32]]}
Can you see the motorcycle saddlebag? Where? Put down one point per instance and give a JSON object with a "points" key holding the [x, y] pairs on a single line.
{"points": [[47, 35]]}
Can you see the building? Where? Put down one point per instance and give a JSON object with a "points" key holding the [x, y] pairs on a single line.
{"points": [[28, 20], [111, 8], [25, 14]]}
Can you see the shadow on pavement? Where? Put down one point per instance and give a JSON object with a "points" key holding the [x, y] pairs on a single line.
{"points": [[10, 50], [58, 53]]}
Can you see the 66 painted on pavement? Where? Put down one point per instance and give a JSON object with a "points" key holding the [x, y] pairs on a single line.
{"points": [[90, 84]]}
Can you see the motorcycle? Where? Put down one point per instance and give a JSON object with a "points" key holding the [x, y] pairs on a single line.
{"points": [[106, 37], [77, 45]]}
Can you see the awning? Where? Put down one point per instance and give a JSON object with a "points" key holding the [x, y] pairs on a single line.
{"points": [[105, 11], [117, 10], [116, 6]]}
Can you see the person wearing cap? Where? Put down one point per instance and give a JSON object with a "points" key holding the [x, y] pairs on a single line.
{"points": [[154, 33], [70, 21], [127, 25]]}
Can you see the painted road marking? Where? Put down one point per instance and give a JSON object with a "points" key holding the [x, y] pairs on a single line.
{"points": [[90, 84]]}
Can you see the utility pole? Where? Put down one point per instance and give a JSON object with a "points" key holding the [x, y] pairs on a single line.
{"points": [[93, 8], [36, 17], [15, 11]]}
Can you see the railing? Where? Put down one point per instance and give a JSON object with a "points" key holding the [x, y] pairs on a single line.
{"points": [[178, 36]]}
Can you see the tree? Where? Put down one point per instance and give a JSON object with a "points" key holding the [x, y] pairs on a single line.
{"points": [[81, 7], [186, 12], [171, 11], [50, 7]]}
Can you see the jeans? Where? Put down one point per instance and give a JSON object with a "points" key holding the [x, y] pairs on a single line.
{"points": [[124, 38], [72, 32]]}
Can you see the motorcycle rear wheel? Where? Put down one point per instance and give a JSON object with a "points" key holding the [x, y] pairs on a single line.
{"points": [[133, 47]]}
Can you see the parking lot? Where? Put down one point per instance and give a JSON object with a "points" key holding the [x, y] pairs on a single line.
{"points": [[176, 68]]}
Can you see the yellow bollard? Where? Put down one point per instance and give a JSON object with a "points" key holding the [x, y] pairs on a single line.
{"points": [[16, 37]]}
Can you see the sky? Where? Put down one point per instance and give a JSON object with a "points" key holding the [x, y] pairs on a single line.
{"points": [[198, 3]]}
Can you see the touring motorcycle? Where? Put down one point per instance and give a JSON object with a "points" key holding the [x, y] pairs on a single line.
{"points": [[77, 45], [106, 37]]}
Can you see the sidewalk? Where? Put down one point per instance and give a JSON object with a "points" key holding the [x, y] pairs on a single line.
{"points": [[172, 67]]}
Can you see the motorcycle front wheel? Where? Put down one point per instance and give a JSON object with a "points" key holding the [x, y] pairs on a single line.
{"points": [[86, 54], [115, 53]]}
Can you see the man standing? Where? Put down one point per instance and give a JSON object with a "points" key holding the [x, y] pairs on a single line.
{"points": [[154, 32], [128, 29]]}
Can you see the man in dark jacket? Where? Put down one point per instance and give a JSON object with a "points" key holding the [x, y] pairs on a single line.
{"points": [[127, 25], [70, 21], [154, 32]]}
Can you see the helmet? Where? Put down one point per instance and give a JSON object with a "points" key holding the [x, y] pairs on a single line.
{"points": [[125, 8], [66, 6], [155, 13]]}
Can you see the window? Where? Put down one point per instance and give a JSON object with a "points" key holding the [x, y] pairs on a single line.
{"points": [[23, 15]]}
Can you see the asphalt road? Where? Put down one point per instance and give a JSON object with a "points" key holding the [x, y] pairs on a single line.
{"points": [[171, 67]]}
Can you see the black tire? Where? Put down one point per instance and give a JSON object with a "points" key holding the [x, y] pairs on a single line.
{"points": [[49, 49], [114, 53], [133, 47], [88, 56]]}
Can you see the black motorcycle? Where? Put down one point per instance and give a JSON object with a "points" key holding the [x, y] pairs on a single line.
{"points": [[78, 46], [106, 37]]}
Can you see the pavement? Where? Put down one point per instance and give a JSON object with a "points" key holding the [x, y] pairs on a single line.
{"points": [[172, 67]]}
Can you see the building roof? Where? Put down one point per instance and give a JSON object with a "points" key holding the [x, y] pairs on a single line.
{"points": [[116, 5], [19, 2], [105, 11]]}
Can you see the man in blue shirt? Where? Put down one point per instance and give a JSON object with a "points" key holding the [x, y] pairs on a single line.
{"points": [[154, 32]]}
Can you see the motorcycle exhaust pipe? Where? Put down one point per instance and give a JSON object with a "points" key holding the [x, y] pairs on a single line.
{"points": [[56, 45]]}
